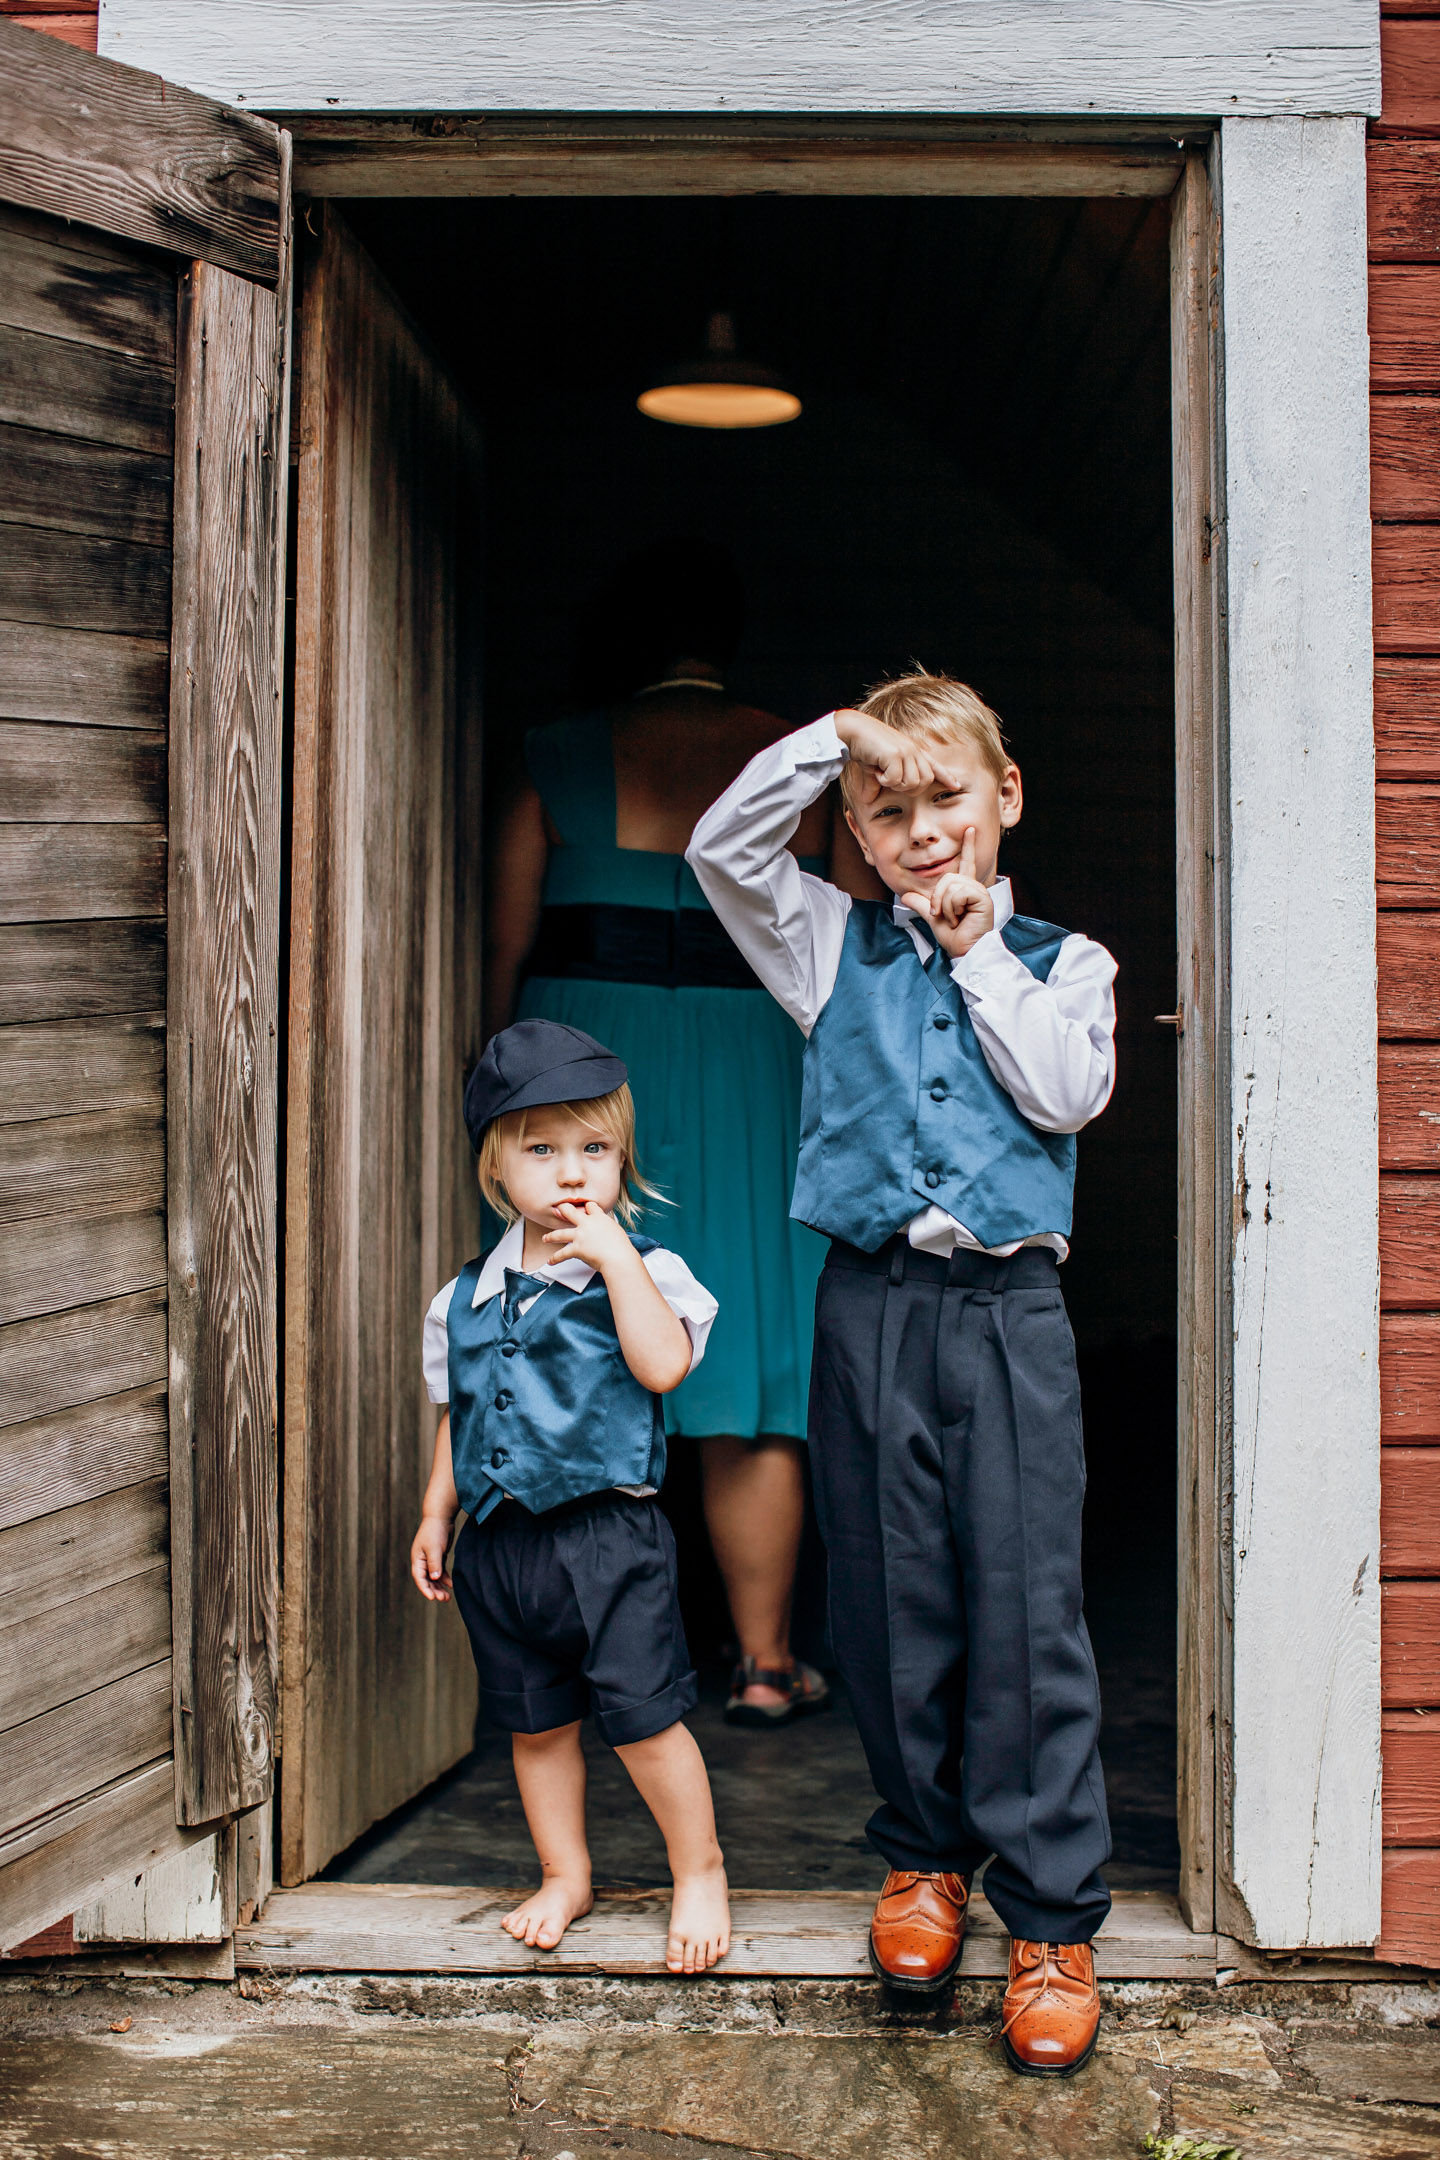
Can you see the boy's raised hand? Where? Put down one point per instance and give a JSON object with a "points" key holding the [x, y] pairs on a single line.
{"points": [[891, 760], [593, 1236], [959, 910]]}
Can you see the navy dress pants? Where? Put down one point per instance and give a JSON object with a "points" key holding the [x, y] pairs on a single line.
{"points": [[949, 1474]]}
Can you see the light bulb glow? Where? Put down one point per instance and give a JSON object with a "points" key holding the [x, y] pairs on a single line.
{"points": [[719, 404]]}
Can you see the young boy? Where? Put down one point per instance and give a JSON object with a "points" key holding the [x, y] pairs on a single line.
{"points": [[552, 1354], [954, 1049]]}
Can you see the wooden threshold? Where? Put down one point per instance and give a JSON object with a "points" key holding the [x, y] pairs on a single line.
{"points": [[805, 1934]]}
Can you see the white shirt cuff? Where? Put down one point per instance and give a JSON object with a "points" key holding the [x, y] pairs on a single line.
{"points": [[989, 955]]}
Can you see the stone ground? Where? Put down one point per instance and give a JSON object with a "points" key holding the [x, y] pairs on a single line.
{"points": [[356, 2068]]}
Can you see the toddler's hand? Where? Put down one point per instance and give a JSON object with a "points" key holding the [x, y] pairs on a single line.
{"points": [[959, 909], [427, 1559], [891, 760], [593, 1236]]}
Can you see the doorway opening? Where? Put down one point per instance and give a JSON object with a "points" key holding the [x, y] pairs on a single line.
{"points": [[980, 482]]}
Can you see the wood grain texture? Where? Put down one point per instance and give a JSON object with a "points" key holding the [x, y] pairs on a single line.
{"points": [[72, 284], [1404, 206], [379, 1688], [1108, 56], [88, 393], [53, 1463], [81, 1551], [222, 1015], [66, 1066], [80, 29], [82, 582], [1306, 1415], [1410, 1376], [1410, 1511], [1411, 1744], [101, 1162], [69, 970], [1404, 327], [78, 1356], [53, 480], [1406, 565], [1410, 1644], [1408, 956], [69, 1752], [80, 873], [136, 157], [51, 672], [181, 1899], [1407, 845], [49, 1263], [98, 1636], [1410, 75], [1410, 1930], [74, 1852], [1404, 439], [1409, 1243], [1407, 720], [1410, 1107], [1203, 1323], [84, 776]]}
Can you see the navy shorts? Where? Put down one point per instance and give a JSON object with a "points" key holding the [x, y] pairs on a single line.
{"points": [[576, 1610]]}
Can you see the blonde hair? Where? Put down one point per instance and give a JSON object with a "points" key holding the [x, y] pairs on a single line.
{"points": [[937, 709], [613, 1115]]}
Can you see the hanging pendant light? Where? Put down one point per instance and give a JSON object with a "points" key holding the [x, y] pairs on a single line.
{"points": [[721, 390]]}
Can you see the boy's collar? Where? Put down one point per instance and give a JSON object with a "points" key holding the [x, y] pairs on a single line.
{"points": [[510, 1253], [1000, 894]]}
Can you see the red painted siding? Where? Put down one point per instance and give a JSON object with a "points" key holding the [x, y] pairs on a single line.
{"points": [[76, 21], [1404, 161]]}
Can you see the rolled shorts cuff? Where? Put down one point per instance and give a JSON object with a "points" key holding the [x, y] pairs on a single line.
{"points": [[620, 1726], [536, 1710]]}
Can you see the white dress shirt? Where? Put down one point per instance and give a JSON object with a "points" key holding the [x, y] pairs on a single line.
{"points": [[1050, 1045]]}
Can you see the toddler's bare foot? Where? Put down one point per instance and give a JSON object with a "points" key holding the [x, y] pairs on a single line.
{"points": [[699, 1921], [543, 1918]]}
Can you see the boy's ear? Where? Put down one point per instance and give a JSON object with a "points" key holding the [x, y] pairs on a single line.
{"points": [[860, 837], [1012, 798]]}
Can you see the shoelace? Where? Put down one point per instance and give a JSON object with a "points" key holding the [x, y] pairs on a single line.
{"points": [[1043, 1968]]}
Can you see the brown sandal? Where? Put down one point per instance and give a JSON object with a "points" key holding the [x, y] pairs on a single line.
{"points": [[804, 1690]]}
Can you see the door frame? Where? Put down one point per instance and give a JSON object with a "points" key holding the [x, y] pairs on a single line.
{"points": [[1278, 1777]]}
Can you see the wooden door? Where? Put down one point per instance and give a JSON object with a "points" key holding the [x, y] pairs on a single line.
{"points": [[143, 307], [384, 1002]]}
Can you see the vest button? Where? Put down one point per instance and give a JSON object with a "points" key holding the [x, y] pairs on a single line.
{"points": [[938, 1093], [942, 1020], [932, 1179], [507, 1349], [498, 1457], [504, 1399]]}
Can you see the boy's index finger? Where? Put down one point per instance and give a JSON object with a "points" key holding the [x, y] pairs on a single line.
{"points": [[967, 853]]}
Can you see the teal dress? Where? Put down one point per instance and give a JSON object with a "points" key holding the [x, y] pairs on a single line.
{"points": [[630, 950]]}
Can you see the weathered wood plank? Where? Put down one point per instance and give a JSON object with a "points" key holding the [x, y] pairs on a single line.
{"points": [[1404, 441], [80, 1551], [1410, 1928], [52, 1262], [62, 1067], [1406, 565], [85, 392], [1408, 954], [1410, 1107], [254, 1861], [1410, 1376], [90, 677], [1403, 193], [71, 1751], [71, 970], [99, 1162], [70, 1650], [80, 27], [73, 1853], [77, 1357], [413, 1927], [1404, 328], [83, 582], [1410, 1511], [90, 487], [1410, 76], [54, 1463], [1410, 1644], [223, 927], [1407, 845], [1409, 1243], [69, 283], [1407, 719], [1410, 1744], [180, 1899], [78, 775], [138, 157], [81, 873]]}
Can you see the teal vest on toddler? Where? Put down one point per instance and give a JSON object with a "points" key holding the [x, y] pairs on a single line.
{"points": [[900, 1110], [542, 1403]]}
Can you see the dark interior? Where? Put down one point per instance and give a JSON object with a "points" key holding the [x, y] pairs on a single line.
{"points": [[980, 482]]}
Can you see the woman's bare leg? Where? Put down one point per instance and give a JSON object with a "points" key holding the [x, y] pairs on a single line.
{"points": [[550, 1771], [754, 1494], [669, 1774]]}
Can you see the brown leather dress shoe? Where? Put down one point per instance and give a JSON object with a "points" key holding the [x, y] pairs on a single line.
{"points": [[918, 1929], [1052, 2009]]}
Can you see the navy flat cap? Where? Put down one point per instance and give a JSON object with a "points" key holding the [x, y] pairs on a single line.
{"points": [[535, 1062]]}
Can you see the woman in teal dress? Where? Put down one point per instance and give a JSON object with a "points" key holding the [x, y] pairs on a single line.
{"points": [[597, 920]]}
